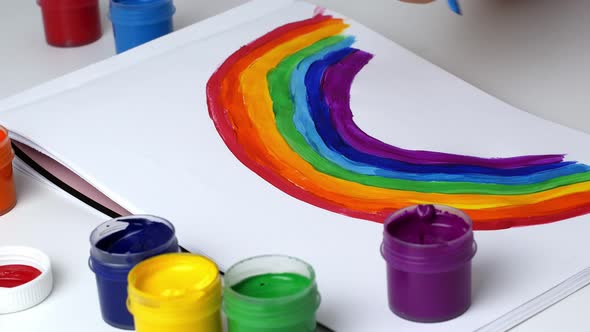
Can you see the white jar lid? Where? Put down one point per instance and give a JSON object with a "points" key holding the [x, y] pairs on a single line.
{"points": [[31, 293]]}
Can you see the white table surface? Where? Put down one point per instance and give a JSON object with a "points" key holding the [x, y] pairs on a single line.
{"points": [[534, 55]]}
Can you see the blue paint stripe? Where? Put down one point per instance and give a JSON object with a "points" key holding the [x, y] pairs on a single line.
{"points": [[312, 120]]}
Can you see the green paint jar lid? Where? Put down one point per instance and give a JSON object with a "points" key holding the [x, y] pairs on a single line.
{"points": [[271, 293]]}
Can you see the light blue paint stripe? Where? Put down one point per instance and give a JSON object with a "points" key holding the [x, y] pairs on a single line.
{"points": [[305, 125]]}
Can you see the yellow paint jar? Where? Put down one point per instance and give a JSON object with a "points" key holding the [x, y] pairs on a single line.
{"points": [[175, 292]]}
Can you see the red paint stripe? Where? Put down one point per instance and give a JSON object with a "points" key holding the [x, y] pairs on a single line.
{"points": [[485, 219], [226, 129]]}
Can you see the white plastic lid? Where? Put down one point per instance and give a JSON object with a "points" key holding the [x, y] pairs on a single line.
{"points": [[31, 293]]}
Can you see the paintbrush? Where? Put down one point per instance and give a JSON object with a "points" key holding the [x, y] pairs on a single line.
{"points": [[454, 5]]}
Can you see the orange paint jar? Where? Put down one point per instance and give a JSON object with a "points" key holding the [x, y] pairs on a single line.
{"points": [[7, 190]]}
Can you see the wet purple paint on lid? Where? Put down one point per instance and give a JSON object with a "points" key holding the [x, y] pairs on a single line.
{"points": [[428, 238]]}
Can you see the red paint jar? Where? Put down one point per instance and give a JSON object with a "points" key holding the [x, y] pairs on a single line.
{"points": [[7, 190], [70, 22]]}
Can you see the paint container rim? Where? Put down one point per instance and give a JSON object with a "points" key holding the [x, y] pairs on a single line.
{"points": [[140, 12], [265, 312], [428, 258], [205, 299], [33, 292], [124, 262], [6, 152], [66, 4]]}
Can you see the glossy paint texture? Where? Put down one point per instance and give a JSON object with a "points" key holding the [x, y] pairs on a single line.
{"points": [[282, 106]]}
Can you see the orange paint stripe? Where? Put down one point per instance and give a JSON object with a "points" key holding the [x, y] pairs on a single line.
{"points": [[261, 141]]}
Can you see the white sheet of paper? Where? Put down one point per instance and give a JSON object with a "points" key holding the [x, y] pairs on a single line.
{"points": [[137, 127]]}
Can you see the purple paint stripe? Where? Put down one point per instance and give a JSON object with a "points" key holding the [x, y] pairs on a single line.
{"points": [[336, 84]]}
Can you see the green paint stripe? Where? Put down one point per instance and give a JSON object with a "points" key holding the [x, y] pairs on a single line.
{"points": [[279, 85]]}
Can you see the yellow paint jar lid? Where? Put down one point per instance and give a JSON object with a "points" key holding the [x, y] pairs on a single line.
{"points": [[175, 283]]}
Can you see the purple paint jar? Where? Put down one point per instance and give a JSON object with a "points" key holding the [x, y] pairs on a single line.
{"points": [[428, 250]]}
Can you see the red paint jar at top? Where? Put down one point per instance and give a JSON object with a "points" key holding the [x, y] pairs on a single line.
{"points": [[70, 22]]}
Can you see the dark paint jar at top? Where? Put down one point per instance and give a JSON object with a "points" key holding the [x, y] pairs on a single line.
{"points": [[136, 22], [70, 23]]}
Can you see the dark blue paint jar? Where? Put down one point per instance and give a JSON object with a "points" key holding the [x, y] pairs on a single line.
{"points": [[138, 21], [116, 247]]}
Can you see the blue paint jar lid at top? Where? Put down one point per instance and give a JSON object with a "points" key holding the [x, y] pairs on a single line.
{"points": [[140, 12]]}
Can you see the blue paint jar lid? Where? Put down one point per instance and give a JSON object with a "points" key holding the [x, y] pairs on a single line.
{"points": [[121, 243], [140, 12]]}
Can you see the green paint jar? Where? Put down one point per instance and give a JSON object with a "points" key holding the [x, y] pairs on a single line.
{"points": [[271, 294]]}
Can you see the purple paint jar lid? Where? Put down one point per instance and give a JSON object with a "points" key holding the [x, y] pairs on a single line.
{"points": [[428, 239]]}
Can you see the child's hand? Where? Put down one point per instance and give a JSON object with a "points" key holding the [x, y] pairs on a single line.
{"points": [[453, 4], [418, 1]]}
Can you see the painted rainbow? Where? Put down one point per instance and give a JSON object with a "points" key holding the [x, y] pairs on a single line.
{"points": [[281, 105]]}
